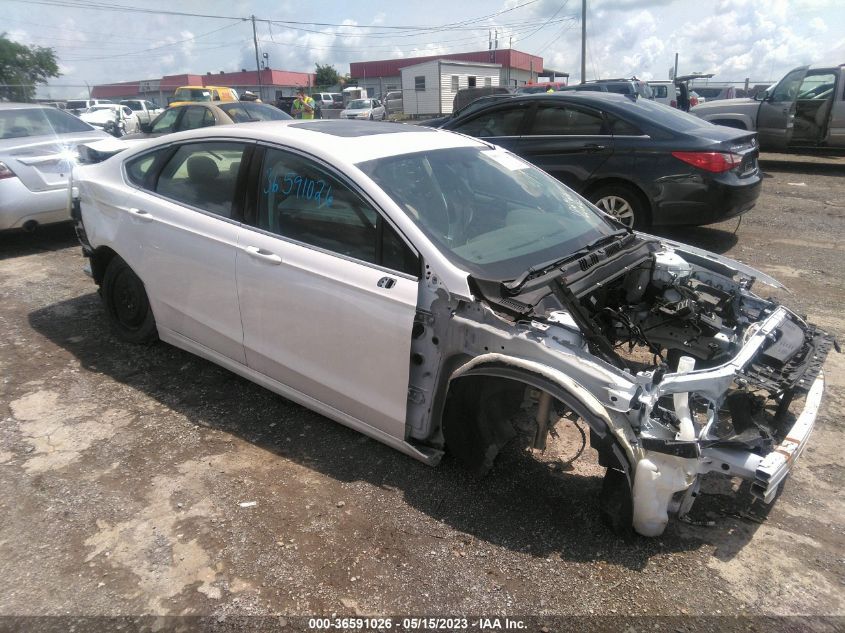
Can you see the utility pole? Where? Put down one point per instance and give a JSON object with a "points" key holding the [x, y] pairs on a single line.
{"points": [[257, 66], [676, 67], [583, 41]]}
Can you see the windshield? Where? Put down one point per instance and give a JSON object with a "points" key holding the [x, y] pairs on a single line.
{"points": [[490, 212], [192, 94], [19, 123], [359, 104]]}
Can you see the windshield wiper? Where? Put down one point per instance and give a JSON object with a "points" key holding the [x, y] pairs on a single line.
{"points": [[533, 272]]}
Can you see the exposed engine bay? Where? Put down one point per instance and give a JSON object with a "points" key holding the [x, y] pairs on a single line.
{"points": [[717, 366]]}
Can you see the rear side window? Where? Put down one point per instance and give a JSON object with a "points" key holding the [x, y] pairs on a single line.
{"points": [[196, 117], [565, 120], [203, 175], [661, 91], [302, 201], [138, 168], [500, 122], [166, 121]]}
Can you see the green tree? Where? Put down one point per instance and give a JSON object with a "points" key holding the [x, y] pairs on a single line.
{"points": [[327, 75], [22, 68]]}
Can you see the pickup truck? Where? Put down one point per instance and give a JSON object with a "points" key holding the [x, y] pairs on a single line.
{"points": [[804, 111], [146, 111]]}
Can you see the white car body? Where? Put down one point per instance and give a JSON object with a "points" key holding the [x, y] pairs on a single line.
{"points": [[100, 115], [371, 109], [411, 353]]}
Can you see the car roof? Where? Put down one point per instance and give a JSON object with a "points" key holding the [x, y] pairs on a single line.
{"points": [[333, 139]]}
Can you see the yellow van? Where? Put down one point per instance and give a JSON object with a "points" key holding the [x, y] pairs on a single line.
{"points": [[193, 94]]}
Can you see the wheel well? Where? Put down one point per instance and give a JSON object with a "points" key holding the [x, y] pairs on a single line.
{"points": [[621, 182], [476, 419], [99, 262], [739, 125], [476, 425]]}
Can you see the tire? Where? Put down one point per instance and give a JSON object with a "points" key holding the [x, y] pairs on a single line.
{"points": [[622, 202], [371, 116], [127, 306]]}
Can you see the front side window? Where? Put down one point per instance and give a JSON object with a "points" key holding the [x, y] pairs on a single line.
{"points": [[133, 105], [499, 122], [568, 121], [166, 122], [787, 89], [203, 175], [490, 212], [302, 201]]}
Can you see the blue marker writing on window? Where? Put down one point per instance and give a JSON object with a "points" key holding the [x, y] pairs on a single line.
{"points": [[302, 187]]}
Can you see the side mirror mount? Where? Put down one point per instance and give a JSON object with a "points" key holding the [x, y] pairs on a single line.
{"points": [[762, 96], [147, 128]]}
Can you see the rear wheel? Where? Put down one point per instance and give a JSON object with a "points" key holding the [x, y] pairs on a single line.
{"points": [[623, 203], [127, 305]]}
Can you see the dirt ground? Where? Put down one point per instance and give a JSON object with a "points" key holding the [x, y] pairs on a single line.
{"points": [[148, 481]]}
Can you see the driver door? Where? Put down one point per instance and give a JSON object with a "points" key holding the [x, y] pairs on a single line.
{"points": [[776, 116]]}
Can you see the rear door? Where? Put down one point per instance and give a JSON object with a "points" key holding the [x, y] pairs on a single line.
{"points": [[184, 218], [328, 291], [571, 142], [776, 116]]}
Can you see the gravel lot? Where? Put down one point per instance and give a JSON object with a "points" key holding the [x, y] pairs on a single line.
{"points": [[148, 481]]}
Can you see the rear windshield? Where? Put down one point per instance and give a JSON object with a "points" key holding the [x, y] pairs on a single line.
{"points": [[666, 116], [39, 122], [242, 112], [359, 104]]}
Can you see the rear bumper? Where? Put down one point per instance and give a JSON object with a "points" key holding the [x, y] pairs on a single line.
{"points": [[699, 200], [19, 205]]}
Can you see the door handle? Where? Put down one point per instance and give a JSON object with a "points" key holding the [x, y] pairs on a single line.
{"points": [[594, 147], [263, 255], [142, 215], [386, 283]]}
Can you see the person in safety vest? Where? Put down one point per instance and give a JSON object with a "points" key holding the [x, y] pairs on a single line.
{"points": [[303, 106]]}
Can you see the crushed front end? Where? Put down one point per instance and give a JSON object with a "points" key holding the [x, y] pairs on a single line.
{"points": [[724, 381]]}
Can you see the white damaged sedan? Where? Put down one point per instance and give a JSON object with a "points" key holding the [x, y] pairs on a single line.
{"points": [[423, 287]]}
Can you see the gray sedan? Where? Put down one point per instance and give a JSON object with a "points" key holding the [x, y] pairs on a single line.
{"points": [[37, 152]]}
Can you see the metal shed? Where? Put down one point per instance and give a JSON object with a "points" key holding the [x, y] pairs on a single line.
{"points": [[429, 88]]}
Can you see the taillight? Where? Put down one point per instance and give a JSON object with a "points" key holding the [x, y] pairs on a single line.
{"points": [[673, 103], [693, 101], [716, 162], [5, 172]]}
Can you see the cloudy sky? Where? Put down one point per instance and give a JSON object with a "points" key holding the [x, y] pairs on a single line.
{"points": [[99, 41]]}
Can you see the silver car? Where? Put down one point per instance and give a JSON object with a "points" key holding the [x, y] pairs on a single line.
{"points": [[371, 109], [37, 152]]}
